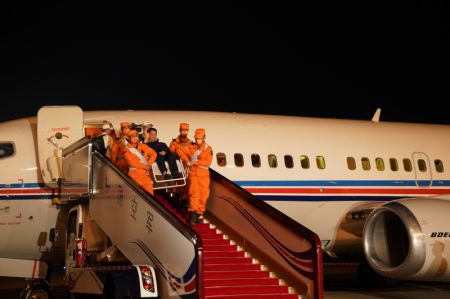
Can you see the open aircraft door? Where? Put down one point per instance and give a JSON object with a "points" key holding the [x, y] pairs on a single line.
{"points": [[57, 128]]}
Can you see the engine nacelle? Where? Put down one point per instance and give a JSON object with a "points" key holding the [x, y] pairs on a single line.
{"points": [[409, 239]]}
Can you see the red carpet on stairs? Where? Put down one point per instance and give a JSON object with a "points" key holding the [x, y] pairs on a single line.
{"points": [[229, 272]]}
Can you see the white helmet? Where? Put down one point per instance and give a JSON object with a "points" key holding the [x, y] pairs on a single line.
{"points": [[146, 123], [107, 126]]}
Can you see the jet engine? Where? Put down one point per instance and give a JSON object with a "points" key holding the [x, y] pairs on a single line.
{"points": [[409, 239]]}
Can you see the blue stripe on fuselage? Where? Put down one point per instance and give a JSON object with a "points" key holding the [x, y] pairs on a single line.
{"points": [[326, 198], [341, 183]]}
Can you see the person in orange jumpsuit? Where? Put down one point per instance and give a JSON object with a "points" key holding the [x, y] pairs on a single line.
{"points": [[139, 158], [180, 147], [201, 158], [119, 148]]}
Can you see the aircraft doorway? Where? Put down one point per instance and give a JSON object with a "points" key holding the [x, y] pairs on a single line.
{"points": [[422, 169]]}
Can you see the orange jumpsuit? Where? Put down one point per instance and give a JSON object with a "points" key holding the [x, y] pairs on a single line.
{"points": [[201, 159], [181, 148], [117, 155], [137, 160]]}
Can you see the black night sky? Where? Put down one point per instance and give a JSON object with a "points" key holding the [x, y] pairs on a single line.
{"points": [[310, 59]]}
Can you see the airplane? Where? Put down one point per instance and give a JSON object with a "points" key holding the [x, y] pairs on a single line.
{"points": [[370, 189]]}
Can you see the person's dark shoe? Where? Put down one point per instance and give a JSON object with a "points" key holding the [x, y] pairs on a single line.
{"points": [[168, 176], [193, 218], [199, 221]]}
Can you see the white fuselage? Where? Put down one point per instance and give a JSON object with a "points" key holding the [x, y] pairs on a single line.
{"points": [[316, 198]]}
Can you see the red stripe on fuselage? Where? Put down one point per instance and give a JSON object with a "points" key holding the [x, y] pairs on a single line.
{"points": [[326, 190]]}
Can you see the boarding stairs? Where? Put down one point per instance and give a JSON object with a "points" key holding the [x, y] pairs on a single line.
{"points": [[242, 249], [229, 271]]}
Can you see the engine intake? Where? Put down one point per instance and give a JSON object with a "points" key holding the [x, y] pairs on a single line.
{"points": [[406, 239]]}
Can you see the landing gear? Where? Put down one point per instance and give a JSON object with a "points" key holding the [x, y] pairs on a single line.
{"points": [[36, 291]]}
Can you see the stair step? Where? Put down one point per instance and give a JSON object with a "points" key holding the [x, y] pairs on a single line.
{"points": [[203, 226], [227, 273], [220, 248], [212, 237], [205, 229], [232, 267], [209, 233], [235, 274], [260, 296], [241, 282], [246, 290], [216, 242], [223, 254], [227, 260]]}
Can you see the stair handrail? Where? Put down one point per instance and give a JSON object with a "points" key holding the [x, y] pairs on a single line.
{"points": [[248, 209], [178, 224], [181, 226], [77, 145]]}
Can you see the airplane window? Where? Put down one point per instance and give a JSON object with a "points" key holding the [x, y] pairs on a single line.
{"points": [[273, 161], [351, 164], [407, 165], [221, 159], [439, 165], [239, 160], [365, 163], [379, 163], [422, 165], [288, 161], [304, 161], [256, 160], [393, 163], [6, 149], [320, 161]]}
